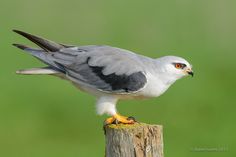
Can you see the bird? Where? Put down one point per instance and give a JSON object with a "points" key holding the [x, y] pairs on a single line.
{"points": [[108, 73]]}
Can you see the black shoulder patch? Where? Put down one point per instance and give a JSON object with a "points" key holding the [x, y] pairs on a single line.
{"points": [[125, 83], [94, 76]]}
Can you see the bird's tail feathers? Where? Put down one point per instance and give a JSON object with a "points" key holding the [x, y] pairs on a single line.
{"points": [[42, 56], [38, 71], [38, 53], [33, 51]]}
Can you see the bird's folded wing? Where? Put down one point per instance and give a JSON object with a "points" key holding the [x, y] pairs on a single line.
{"points": [[104, 68]]}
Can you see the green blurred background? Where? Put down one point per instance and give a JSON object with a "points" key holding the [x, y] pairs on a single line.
{"points": [[43, 116]]}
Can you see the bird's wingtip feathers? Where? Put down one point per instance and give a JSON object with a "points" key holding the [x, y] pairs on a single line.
{"points": [[45, 44], [16, 31], [21, 32]]}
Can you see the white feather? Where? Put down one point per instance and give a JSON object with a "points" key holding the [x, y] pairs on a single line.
{"points": [[106, 104], [36, 71]]}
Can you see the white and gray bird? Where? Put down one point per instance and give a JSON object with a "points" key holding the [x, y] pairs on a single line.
{"points": [[109, 73]]}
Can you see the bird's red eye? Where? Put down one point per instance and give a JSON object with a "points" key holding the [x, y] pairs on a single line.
{"points": [[178, 65]]}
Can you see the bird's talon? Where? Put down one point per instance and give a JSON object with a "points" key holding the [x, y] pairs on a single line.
{"points": [[117, 119], [116, 122], [124, 120], [131, 118], [109, 120]]}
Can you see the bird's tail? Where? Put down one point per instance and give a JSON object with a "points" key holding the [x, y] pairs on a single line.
{"points": [[47, 47], [37, 71]]}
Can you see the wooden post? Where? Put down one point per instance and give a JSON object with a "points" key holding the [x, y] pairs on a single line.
{"points": [[137, 140]]}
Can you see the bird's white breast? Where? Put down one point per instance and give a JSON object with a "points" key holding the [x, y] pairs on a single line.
{"points": [[155, 86]]}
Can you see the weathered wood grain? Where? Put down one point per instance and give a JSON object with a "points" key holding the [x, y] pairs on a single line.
{"points": [[137, 140]]}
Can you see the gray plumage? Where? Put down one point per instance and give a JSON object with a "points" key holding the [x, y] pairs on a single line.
{"points": [[107, 72], [104, 68]]}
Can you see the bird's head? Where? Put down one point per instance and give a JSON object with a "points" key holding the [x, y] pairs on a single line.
{"points": [[175, 67]]}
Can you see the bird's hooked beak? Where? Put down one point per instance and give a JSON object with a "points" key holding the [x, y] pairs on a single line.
{"points": [[189, 72]]}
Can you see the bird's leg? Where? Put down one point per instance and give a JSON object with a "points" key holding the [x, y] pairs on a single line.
{"points": [[119, 119]]}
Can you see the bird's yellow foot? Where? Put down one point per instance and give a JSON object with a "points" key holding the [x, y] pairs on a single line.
{"points": [[120, 119]]}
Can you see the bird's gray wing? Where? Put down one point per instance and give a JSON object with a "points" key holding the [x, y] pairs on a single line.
{"points": [[104, 68]]}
